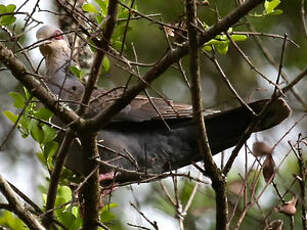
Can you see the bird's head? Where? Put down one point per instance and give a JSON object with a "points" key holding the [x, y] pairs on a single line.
{"points": [[53, 42]]}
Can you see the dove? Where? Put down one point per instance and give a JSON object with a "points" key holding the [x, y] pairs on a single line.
{"points": [[137, 143]]}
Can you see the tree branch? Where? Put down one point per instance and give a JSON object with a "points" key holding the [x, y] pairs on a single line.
{"points": [[218, 182], [17, 206], [104, 46], [90, 190]]}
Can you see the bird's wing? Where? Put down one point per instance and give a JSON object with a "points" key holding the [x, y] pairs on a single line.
{"points": [[141, 108]]}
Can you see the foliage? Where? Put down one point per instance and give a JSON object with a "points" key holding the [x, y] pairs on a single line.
{"points": [[8, 19], [34, 121]]}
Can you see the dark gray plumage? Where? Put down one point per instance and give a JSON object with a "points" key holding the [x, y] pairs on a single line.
{"points": [[137, 140]]}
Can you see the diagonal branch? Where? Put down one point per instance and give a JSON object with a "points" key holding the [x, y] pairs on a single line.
{"points": [[17, 206]]}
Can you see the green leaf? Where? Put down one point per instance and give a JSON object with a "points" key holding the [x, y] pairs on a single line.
{"points": [[27, 94], [69, 220], [221, 42], [36, 131], [43, 114], [10, 8], [92, 46], [222, 48], [87, 7], [59, 201], [41, 158], [75, 71], [269, 6], [108, 207], [50, 149], [258, 15], [103, 7], [2, 9], [99, 18], [207, 48], [19, 100], [25, 123], [78, 73], [9, 220], [11, 116], [82, 73], [123, 14], [276, 12], [117, 44], [238, 38], [7, 19], [75, 211], [44, 198], [49, 134], [65, 193], [106, 215], [102, 4], [106, 64], [213, 42]]}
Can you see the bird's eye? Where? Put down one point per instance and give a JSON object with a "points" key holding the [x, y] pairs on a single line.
{"points": [[58, 35]]}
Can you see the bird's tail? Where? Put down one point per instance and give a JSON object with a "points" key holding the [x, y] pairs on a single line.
{"points": [[226, 128]]}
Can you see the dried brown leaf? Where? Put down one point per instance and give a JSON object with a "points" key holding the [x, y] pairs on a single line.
{"points": [[268, 168], [276, 225], [236, 187], [261, 149], [289, 207]]}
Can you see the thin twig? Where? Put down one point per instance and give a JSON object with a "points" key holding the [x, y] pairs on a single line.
{"points": [[126, 29], [253, 33], [269, 57], [154, 224], [16, 123], [281, 63], [228, 83], [249, 62]]}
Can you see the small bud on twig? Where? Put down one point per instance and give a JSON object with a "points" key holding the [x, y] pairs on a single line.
{"points": [[261, 149], [289, 207], [268, 168]]}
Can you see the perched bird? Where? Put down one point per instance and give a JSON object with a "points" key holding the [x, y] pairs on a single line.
{"points": [[137, 139]]}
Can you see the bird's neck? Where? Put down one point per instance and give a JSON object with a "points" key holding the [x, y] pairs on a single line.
{"points": [[57, 71], [56, 62]]}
